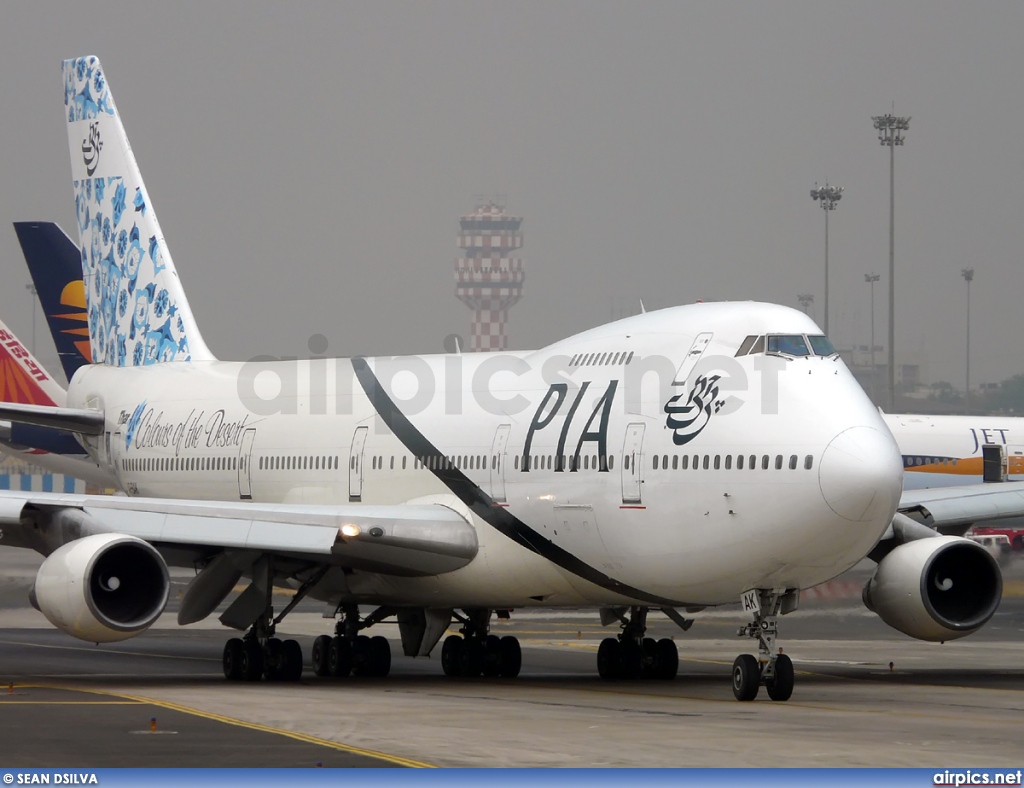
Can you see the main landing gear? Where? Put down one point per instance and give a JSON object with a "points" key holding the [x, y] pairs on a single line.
{"points": [[771, 668], [259, 654], [633, 656], [475, 652], [348, 652]]}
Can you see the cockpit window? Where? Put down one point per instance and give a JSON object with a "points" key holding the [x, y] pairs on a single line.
{"points": [[788, 344], [747, 344], [821, 345], [751, 345]]}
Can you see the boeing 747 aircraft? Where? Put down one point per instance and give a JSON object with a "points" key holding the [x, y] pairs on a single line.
{"points": [[695, 456]]}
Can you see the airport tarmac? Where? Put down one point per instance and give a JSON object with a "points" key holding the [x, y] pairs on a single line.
{"points": [[960, 703]]}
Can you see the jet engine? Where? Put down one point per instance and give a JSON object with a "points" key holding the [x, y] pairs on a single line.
{"points": [[941, 588], [102, 588]]}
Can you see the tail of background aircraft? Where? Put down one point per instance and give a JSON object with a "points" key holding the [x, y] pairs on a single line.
{"points": [[137, 310], [56, 267], [23, 379]]}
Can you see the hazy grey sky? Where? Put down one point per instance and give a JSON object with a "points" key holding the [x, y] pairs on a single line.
{"points": [[309, 161]]}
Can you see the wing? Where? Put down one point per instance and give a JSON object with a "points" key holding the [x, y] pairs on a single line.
{"points": [[403, 539], [84, 422], [952, 510]]}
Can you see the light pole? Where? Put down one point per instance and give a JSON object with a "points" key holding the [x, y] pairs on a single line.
{"points": [[890, 133], [805, 299], [871, 279], [968, 275], [829, 196], [32, 290]]}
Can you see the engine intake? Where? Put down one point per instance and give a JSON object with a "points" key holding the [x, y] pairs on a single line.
{"points": [[936, 589], [102, 588]]}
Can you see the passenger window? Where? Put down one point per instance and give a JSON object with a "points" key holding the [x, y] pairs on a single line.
{"points": [[778, 462], [625, 462], [675, 462], [611, 462], [718, 461], [808, 461], [707, 460], [655, 462], [764, 462], [739, 462], [686, 461], [728, 461], [792, 462]]}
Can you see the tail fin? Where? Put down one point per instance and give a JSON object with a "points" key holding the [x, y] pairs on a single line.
{"points": [[138, 313], [56, 267], [22, 379]]}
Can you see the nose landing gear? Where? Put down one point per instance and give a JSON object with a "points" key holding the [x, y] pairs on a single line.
{"points": [[771, 667]]}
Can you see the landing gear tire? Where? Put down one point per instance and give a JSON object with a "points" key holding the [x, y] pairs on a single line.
{"points": [[510, 657], [632, 665], [492, 656], [361, 663], [321, 647], [233, 659], [746, 677], [291, 654], [252, 660], [273, 660], [471, 661], [780, 686], [451, 655], [666, 659], [339, 657], [609, 659], [379, 657]]}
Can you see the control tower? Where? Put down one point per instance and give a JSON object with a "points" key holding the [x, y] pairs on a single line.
{"points": [[487, 280]]}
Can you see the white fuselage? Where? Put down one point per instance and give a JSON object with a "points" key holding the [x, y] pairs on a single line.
{"points": [[588, 481]]}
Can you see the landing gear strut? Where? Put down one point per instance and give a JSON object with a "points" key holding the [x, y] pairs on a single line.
{"points": [[348, 652], [476, 652], [633, 656], [771, 667]]}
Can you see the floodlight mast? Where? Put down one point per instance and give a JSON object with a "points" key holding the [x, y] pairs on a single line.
{"points": [[968, 275], [890, 133], [871, 279], [829, 196]]}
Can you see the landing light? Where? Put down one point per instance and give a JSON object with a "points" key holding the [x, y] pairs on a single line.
{"points": [[350, 530]]}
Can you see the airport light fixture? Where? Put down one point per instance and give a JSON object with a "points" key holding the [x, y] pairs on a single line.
{"points": [[871, 279], [968, 275], [890, 134], [828, 196], [805, 299]]}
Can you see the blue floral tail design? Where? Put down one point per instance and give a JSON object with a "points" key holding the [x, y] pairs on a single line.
{"points": [[137, 310]]}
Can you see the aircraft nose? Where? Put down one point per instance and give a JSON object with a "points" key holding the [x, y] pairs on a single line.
{"points": [[861, 475]]}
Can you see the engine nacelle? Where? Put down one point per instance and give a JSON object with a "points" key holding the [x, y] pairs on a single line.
{"points": [[941, 588], [102, 588]]}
